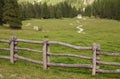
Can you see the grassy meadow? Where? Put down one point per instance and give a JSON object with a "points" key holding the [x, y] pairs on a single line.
{"points": [[102, 31]]}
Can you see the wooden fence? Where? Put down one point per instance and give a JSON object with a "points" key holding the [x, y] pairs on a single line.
{"points": [[13, 43]]}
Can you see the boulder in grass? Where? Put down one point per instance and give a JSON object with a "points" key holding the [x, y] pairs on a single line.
{"points": [[37, 28], [79, 16]]}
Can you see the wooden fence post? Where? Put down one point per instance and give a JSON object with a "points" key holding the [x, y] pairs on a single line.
{"points": [[98, 56], [94, 59], [12, 49], [48, 52], [45, 54], [15, 48]]}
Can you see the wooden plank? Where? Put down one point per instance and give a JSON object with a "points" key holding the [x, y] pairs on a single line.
{"points": [[30, 50], [48, 52], [94, 59], [70, 65], [15, 48], [71, 55], [70, 46], [12, 50], [30, 41], [109, 71], [109, 63], [97, 55], [6, 49], [4, 41], [109, 54], [44, 55], [5, 57], [28, 59]]}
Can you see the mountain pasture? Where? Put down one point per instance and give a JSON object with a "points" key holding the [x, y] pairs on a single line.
{"points": [[102, 31]]}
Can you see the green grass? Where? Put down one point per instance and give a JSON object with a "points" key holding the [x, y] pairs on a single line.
{"points": [[102, 31]]}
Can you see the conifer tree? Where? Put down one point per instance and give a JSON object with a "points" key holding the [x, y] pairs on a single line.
{"points": [[58, 13], [52, 11], [65, 9], [42, 10], [37, 10], [105, 9], [1, 11], [11, 14], [45, 11]]}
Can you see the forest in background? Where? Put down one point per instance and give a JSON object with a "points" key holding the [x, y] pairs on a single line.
{"points": [[104, 9], [12, 12], [38, 10]]}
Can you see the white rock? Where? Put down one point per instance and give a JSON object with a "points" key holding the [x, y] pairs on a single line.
{"points": [[79, 16], [36, 28]]}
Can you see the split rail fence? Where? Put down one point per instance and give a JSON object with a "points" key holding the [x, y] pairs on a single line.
{"points": [[13, 43]]}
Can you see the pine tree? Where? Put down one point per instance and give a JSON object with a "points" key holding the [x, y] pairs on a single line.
{"points": [[74, 12], [37, 10], [64, 7], [105, 9], [42, 10], [30, 11], [52, 11], [22, 10], [45, 13], [1, 11], [58, 13], [11, 14]]}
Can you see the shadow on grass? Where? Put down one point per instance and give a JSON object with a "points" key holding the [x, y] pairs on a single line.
{"points": [[86, 72], [72, 70]]}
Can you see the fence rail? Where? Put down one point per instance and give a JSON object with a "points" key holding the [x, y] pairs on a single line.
{"points": [[70, 65], [7, 49], [29, 41], [69, 45], [28, 59], [109, 54], [109, 71], [95, 48], [5, 57], [71, 55], [28, 49], [4, 41], [108, 63]]}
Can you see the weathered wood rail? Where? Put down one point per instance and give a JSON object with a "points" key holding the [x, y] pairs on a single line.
{"points": [[45, 52]]}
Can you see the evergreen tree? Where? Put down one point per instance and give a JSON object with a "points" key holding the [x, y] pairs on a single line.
{"points": [[104, 9], [30, 11], [58, 11], [37, 10], [11, 14], [45, 11], [1, 11], [52, 11], [65, 9], [22, 10], [42, 10], [74, 12]]}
